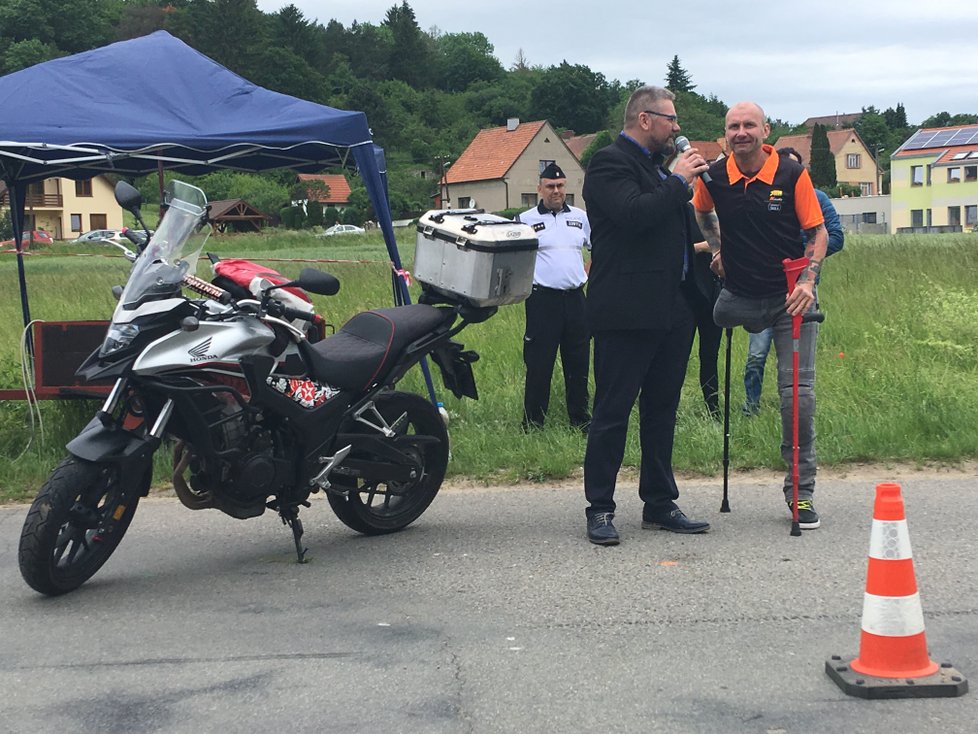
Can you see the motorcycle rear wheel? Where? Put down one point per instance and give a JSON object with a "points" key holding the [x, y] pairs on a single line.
{"points": [[376, 508], [60, 547]]}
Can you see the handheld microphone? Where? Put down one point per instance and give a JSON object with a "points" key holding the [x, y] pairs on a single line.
{"points": [[682, 145]]}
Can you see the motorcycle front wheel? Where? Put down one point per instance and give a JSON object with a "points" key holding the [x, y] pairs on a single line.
{"points": [[60, 545], [378, 507]]}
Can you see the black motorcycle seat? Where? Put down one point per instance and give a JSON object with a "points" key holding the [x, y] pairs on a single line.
{"points": [[367, 346]]}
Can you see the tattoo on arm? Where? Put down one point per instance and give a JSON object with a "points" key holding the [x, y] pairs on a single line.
{"points": [[710, 227], [814, 266]]}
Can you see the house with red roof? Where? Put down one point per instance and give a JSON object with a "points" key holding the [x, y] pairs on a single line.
{"points": [[329, 189], [578, 143], [855, 164], [500, 168], [934, 180]]}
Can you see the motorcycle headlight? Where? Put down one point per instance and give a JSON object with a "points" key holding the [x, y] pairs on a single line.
{"points": [[119, 337]]}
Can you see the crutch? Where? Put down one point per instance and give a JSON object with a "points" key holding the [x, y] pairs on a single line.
{"points": [[792, 269], [725, 502]]}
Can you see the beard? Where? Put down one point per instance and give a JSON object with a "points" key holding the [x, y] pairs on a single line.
{"points": [[667, 148]]}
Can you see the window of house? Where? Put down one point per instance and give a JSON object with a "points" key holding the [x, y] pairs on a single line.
{"points": [[869, 217], [929, 171], [76, 223], [971, 173], [971, 215], [544, 164], [916, 217], [916, 176], [954, 216], [83, 188], [97, 221], [865, 188], [528, 200], [853, 160], [465, 202], [929, 217], [954, 174], [570, 199]]}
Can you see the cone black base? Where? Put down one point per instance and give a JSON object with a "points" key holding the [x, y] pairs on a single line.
{"points": [[945, 683]]}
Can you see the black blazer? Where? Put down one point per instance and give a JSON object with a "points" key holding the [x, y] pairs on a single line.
{"points": [[639, 228]]}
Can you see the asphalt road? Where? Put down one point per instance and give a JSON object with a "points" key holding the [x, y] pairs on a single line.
{"points": [[491, 614]]}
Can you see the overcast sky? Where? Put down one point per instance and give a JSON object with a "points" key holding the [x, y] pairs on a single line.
{"points": [[816, 58]]}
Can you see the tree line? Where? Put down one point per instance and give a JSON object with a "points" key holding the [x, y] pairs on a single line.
{"points": [[425, 92]]}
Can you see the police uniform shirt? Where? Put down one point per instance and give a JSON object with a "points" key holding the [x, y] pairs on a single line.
{"points": [[561, 236]]}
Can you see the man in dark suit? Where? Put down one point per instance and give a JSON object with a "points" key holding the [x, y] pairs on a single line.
{"points": [[642, 278]]}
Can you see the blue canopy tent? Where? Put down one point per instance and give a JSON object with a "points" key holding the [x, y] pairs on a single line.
{"points": [[135, 106]]}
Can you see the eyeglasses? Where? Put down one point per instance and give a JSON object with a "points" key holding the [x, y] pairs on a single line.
{"points": [[671, 118]]}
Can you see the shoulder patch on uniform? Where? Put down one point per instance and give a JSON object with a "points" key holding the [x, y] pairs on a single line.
{"points": [[575, 223], [539, 226]]}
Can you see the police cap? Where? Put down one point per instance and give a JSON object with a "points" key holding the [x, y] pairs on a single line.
{"points": [[552, 171]]}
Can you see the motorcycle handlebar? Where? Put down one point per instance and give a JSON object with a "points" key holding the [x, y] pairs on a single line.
{"points": [[282, 311], [137, 238]]}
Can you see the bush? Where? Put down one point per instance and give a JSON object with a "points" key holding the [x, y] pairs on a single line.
{"points": [[292, 217], [6, 228], [509, 213], [314, 213]]}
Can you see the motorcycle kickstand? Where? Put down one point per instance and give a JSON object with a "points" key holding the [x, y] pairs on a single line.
{"points": [[290, 517]]}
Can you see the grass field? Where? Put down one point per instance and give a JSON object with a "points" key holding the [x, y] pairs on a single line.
{"points": [[897, 361]]}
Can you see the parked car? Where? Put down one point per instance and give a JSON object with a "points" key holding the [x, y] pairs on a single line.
{"points": [[40, 237], [342, 229], [97, 235], [108, 236]]}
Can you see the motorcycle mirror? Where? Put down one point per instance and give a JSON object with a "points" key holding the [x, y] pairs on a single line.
{"points": [[316, 281], [128, 197]]}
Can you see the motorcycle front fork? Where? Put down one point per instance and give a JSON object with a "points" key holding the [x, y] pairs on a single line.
{"points": [[107, 413]]}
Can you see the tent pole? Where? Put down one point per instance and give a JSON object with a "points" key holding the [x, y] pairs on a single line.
{"points": [[18, 196]]}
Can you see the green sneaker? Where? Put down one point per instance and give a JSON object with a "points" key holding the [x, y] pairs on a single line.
{"points": [[807, 517]]}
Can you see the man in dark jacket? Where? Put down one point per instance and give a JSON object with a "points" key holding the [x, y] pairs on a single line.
{"points": [[641, 279]]}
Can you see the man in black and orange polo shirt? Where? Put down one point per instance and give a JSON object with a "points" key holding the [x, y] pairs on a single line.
{"points": [[758, 201]]}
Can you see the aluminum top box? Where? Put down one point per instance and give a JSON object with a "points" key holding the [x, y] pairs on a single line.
{"points": [[478, 258]]}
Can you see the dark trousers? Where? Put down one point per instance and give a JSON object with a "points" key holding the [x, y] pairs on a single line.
{"points": [[555, 320], [710, 336], [650, 365]]}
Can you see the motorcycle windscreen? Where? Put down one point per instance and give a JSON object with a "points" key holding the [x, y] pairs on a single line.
{"points": [[173, 251]]}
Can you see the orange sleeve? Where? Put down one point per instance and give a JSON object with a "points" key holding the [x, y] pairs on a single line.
{"points": [[702, 201], [807, 208]]}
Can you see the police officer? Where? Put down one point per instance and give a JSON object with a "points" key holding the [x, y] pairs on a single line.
{"points": [[555, 308]]}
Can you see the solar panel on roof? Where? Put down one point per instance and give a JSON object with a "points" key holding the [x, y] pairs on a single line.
{"points": [[961, 137], [920, 140], [941, 138]]}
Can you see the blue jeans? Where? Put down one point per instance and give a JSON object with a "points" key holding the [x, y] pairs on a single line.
{"points": [[758, 347], [756, 315]]}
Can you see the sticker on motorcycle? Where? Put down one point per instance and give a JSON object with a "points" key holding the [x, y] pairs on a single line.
{"points": [[306, 393]]}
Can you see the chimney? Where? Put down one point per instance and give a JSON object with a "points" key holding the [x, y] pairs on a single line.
{"points": [[512, 123]]}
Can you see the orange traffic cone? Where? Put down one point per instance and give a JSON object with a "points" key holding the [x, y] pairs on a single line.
{"points": [[893, 660]]}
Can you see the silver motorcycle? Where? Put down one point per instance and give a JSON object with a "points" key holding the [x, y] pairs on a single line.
{"points": [[258, 413]]}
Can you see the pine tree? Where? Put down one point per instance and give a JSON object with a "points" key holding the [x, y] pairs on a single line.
{"points": [[822, 164], [677, 78]]}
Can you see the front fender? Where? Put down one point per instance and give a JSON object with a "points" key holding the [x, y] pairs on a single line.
{"points": [[100, 443]]}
